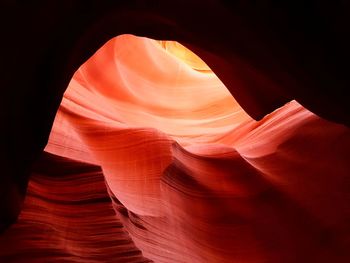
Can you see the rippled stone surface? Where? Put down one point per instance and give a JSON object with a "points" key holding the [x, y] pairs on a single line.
{"points": [[150, 158]]}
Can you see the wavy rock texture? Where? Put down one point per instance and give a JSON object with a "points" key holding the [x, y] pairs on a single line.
{"points": [[67, 217], [191, 177]]}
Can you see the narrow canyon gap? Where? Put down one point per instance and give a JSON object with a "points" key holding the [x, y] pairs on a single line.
{"points": [[151, 157]]}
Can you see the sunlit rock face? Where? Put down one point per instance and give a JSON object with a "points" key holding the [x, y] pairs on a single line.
{"points": [[150, 158]]}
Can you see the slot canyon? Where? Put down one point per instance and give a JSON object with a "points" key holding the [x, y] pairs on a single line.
{"points": [[175, 132]]}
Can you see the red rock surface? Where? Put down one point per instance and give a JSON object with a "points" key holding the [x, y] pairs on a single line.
{"points": [[67, 217], [190, 176], [150, 157]]}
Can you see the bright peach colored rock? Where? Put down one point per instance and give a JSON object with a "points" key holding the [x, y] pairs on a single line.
{"points": [[191, 176]]}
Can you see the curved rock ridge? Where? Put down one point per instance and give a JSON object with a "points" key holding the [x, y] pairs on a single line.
{"points": [[266, 53], [191, 176], [67, 216]]}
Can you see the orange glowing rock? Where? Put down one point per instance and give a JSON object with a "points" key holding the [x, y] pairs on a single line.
{"points": [[191, 177]]}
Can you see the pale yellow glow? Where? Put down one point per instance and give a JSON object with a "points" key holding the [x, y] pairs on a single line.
{"points": [[186, 55]]}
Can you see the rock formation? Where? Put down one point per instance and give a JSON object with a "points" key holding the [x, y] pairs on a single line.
{"points": [[157, 156]]}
